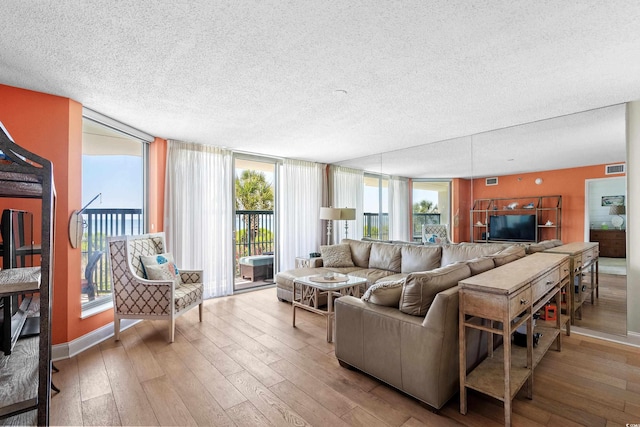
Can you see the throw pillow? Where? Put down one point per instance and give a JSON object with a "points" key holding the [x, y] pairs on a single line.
{"points": [[166, 271], [159, 259], [508, 255], [420, 289], [480, 265], [433, 239], [336, 256], [384, 293]]}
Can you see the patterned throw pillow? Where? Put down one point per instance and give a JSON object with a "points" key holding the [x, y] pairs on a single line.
{"points": [[166, 271], [433, 239], [148, 262], [384, 293], [336, 256]]}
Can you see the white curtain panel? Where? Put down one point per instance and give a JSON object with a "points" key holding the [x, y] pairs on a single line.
{"points": [[198, 213], [348, 192], [300, 228], [399, 209]]}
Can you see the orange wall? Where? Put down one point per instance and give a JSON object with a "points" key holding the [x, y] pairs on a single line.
{"points": [[568, 183], [51, 127], [461, 192]]}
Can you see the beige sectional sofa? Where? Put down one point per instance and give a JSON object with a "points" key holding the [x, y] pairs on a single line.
{"points": [[404, 329], [377, 261]]}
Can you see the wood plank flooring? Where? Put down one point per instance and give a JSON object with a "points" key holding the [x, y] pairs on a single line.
{"points": [[246, 365]]}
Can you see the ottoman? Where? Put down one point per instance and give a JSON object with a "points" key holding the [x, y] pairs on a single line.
{"points": [[256, 267]]}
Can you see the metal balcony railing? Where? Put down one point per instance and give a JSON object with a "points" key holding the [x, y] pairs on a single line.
{"points": [[98, 225], [255, 234]]}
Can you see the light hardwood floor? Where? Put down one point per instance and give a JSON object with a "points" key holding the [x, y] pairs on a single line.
{"points": [[246, 365]]}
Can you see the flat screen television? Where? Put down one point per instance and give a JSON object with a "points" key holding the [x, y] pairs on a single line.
{"points": [[512, 228]]}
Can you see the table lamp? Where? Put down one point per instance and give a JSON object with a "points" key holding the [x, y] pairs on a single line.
{"points": [[329, 214], [347, 214], [617, 220]]}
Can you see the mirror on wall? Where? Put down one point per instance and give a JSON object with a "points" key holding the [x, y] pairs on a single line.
{"points": [[566, 156]]}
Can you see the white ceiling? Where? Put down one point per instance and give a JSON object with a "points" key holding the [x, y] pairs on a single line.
{"points": [[330, 81]]}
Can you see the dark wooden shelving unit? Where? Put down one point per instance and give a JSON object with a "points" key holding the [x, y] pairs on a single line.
{"points": [[25, 363]]}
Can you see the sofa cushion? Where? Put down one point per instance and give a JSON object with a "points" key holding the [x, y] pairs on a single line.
{"points": [[480, 265], [384, 293], [372, 275], [464, 252], [535, 247], [420, 258], [359, 252], [386, 256], [336, 255], [420, 289], [508, 255]]}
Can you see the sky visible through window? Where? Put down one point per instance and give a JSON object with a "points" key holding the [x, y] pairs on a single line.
{"points": [[118, 178]]}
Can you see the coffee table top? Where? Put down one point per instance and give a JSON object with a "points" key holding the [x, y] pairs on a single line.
{"points": [[341, 281]]}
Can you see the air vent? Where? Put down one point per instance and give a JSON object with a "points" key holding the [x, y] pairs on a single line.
{"points": [[614, 169], [492, 181]]}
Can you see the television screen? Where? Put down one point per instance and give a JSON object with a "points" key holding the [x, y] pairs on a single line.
{"points": [[512, 227]]}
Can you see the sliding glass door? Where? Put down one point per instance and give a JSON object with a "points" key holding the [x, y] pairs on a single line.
{"points": [[254, 227]]}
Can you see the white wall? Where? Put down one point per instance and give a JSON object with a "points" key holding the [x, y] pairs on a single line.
{"points": [[597, 188]]}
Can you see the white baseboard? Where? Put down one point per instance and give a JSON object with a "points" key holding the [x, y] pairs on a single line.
{"points": [[72, 348]]}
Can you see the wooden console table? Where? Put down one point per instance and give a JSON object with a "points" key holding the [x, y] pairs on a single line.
{"points": [[498, 302], [582, 256]]}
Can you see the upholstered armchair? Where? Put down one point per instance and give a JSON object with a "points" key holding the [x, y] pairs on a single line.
{"points": [[435, 234], [135, 296]]}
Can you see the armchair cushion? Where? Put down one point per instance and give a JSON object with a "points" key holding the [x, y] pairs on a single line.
{"points": [[187, 294]]}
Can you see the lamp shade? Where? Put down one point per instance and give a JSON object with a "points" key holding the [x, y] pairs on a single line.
{"points": [[329, 213], [617, 210], [348, 214]]}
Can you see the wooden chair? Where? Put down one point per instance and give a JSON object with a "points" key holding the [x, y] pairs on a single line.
{"points": [[135, 297]]}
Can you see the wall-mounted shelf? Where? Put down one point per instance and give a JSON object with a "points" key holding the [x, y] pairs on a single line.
{"points": [[546, 209]]}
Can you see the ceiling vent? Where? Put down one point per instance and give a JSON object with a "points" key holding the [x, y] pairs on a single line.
{"points": [[491, 181], [614, 169]]}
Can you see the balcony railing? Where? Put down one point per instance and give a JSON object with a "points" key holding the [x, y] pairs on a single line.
{"points": [[255, 234], [100, 224], [376, 226]]}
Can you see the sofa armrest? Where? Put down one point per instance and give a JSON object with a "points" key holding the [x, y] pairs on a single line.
{"points": [[315, 262]]}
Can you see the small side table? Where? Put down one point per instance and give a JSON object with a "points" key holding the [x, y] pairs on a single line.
{"points": [[303, 262], [309, 289]]}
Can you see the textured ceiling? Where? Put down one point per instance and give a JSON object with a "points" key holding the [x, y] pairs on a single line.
{"points": [[331, 81]]}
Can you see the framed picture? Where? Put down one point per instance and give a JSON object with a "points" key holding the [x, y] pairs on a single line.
{"points": [[612, 200]]}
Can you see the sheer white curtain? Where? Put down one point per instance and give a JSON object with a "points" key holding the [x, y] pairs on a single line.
{"points": [[301, 193], [198, 213], [399, 209], [348, 192]]}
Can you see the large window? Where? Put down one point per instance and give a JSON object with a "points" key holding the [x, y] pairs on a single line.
{"points": [[376, 207], [114, 165]]}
